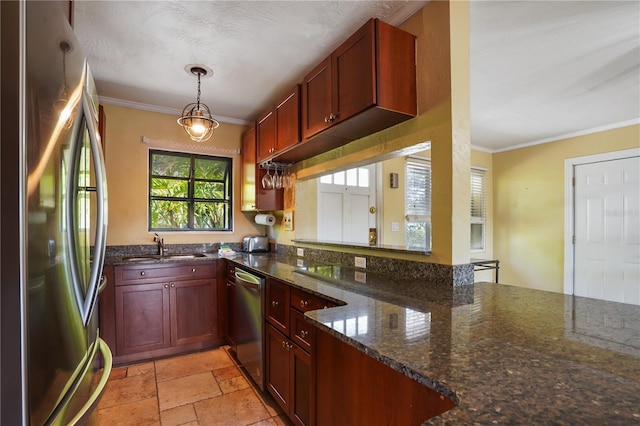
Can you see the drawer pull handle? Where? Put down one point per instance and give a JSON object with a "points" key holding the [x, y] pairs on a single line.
{"points": [[304, 334], [274, 303], [142, 273]]}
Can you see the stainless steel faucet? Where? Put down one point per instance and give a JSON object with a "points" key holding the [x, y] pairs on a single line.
{"points": [[160, 241]]}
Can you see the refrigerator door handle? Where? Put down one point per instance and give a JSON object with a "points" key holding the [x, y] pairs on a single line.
{"points": [[87, 302], [86, 410]]}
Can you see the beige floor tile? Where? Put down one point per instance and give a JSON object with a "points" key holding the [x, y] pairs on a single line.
{"points": [[233, 384], [129, 389], [238, 408], [272, 406], [136, 413], [143, 368], [182, 415], [226, 373], [180, 366], [266, 422], [280, 420], [118, 373], [187, 390]]}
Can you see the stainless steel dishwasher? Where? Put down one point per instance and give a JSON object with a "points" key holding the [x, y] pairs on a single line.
{"points": [[250, 323]]}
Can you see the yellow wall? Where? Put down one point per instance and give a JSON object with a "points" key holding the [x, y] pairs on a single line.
{"points": [[528, 186], [127, 162]]}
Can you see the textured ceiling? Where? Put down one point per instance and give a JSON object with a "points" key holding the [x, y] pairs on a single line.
{"points": [[538, 69]]}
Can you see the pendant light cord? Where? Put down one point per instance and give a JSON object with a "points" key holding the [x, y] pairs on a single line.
{"points": [[198, 98]]}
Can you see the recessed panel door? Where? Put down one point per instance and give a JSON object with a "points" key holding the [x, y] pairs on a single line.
{"points": [[607, 230]]}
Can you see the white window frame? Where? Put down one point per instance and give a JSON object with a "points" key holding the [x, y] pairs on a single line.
{"points": [[479, 216], [424, 216]]}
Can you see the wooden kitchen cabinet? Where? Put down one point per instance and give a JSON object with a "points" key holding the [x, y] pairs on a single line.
{"points": [[289, 377], [279, 128], [367, 84], [162, 310], [278, 305], [290, 341], [253, 196], [354, 388]]}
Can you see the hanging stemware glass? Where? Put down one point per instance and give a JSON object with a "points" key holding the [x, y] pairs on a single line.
{"points": [[286, 180], [267, 180], [277, 178]]}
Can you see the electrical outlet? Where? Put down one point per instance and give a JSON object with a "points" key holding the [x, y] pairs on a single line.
{"points": [[360, 276], [395, 226], [300, 262], [300, 252], [360, 262]]}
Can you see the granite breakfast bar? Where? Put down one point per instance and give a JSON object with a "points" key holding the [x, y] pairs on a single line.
{"points": [[503, 354]]}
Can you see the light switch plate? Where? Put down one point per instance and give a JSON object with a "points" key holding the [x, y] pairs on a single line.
{"points": [[395, 226]]}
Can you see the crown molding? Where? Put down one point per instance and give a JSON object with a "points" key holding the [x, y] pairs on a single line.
{"points": [[164, 110]]}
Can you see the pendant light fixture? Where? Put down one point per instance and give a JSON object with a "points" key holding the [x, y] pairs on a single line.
{"points": [[196, 117]]}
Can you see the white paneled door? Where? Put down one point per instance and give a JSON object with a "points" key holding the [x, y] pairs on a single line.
{"points": [[345, 200], [607, 230]]}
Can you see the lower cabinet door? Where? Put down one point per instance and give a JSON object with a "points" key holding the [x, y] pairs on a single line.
{"points": [[302, 408], [278, 371], [142, 318], [193, 311]]}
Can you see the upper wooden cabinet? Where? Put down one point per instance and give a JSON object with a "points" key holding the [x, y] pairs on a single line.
{"points": [[366, 85], [279, 128], [253, 196]]}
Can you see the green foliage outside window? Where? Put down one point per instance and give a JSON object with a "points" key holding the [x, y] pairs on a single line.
{"points": [[189, 192]]}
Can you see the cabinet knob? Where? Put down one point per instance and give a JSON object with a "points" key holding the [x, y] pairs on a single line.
{"points": [[142, 273], [284, 344], [193, 270], [327, 120], [173, 285], [274, 303], [304, 303], [332, 117], [304, 334], [166, 286]]}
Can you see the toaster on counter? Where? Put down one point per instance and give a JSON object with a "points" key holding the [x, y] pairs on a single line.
{"points": [[255, 244]]}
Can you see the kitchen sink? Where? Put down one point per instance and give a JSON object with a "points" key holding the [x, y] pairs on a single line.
{"points": [[143, 258]]}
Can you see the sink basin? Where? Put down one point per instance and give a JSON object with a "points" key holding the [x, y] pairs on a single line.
{"points": [[143, 258], [183, 256]]}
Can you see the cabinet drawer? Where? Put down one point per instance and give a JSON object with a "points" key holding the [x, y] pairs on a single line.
{"points": [[277, 305], [304, 302], [302, 331], [231, 272], [144, 273]]}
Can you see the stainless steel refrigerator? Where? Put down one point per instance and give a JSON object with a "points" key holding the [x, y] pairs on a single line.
{"points": [[53, 221]]}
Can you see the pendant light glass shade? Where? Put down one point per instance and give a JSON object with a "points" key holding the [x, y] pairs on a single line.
{"points": [[196, 118]]}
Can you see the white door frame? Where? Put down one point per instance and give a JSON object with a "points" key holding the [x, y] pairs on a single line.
{"points": [[569, 213]]}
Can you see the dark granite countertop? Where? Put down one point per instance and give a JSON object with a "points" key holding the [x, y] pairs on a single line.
{"points": [[505, 355]]}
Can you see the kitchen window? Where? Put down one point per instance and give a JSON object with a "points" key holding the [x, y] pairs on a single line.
{"points": [[478, 209], [189, 192], [418, 203]]}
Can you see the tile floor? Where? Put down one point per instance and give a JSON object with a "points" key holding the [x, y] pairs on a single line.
{"points": [[205, 388]]}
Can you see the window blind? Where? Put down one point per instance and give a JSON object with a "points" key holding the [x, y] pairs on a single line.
{"points": [[418, 190], [478, 203]]}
